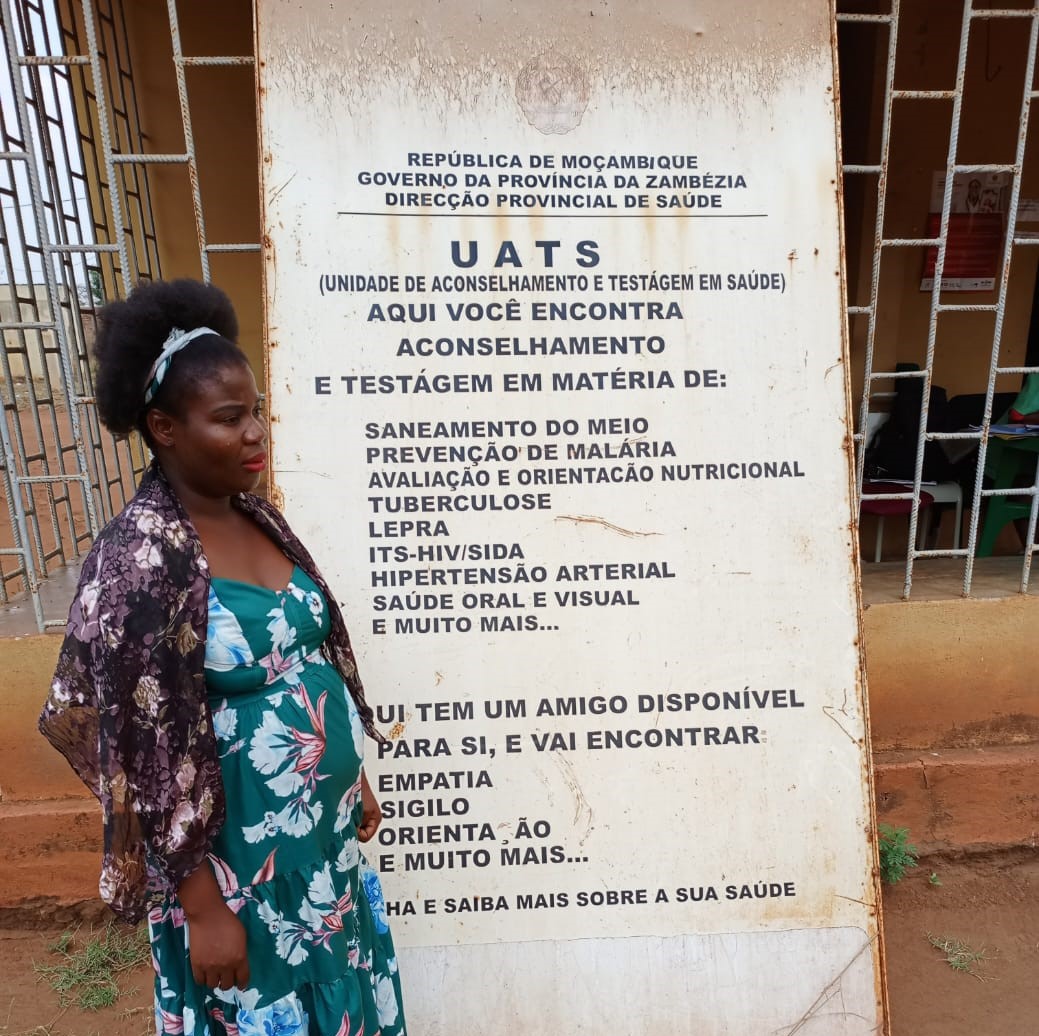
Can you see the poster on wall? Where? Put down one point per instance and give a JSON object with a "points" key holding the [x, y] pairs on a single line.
{"points": [[974, 246], [558, 399]]}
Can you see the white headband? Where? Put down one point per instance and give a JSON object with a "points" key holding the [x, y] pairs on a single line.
{"points": [[175, 341]]}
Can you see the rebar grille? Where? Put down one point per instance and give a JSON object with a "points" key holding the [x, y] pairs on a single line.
{"points": [[877, 176], [78, 229]]}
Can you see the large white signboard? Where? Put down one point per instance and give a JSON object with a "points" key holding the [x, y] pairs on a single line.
{"points": [[559, 402]]}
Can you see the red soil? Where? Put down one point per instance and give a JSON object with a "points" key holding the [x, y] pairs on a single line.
{"points": [[993, 905]]}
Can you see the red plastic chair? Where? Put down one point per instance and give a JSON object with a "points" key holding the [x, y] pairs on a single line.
{"points": [[883, 508]]}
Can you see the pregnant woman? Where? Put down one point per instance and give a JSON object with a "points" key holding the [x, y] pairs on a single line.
{"points": [[207, 693]]}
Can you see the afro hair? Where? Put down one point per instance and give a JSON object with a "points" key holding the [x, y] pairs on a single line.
{"points": [[131, 334]]}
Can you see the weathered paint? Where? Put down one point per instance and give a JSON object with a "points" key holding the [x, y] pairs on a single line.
{"points": [[347, 88]]}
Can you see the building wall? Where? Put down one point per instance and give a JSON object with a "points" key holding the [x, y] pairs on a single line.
{"points": [[940, 673], [954, 709]]}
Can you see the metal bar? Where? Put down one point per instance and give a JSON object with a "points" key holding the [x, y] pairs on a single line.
{"points": [[96, 75], [49, 130], [988, 167], [1030, 544], [871, 311], [245, 59], [55, 59], [888, 496], [88, 227], [189, 138], [82, 141], [936, 287], [25, 533], [880, 19], [885, 156], [1004, 281], [142, 193], [1010, 491], [123, 139], [147, 159], [233, 248], [16, 508], [36, 193], [88, 248], [1004, 13], [922, 95], [896, 375], [911, 242], [51, 104], [119, 466], [44, 479]]}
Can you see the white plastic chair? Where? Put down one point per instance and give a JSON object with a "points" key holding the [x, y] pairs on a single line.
{"points": [[944, 493]]}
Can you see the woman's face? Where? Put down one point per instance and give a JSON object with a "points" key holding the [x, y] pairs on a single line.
{"points": [[217, 445]]}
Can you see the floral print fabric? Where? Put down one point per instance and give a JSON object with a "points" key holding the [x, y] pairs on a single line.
{"points": [[287, 861], [128, 706]]}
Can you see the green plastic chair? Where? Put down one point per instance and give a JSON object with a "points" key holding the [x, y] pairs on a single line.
{"points": [[1007, 459]]}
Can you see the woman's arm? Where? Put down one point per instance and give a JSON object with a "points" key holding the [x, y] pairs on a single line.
{"points": [[107, 690], [371, 814], [217, 938]]}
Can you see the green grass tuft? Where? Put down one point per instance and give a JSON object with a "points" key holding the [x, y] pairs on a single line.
{"points": [[960, 956], [86, 973]]}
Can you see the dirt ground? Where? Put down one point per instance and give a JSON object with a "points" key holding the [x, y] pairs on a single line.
{"points": [[992, 906]]}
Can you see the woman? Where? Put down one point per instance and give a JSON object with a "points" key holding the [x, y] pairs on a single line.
{"points": [[207, 693]]}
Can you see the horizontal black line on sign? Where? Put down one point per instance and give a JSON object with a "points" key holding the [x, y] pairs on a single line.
{"points": [[567, 215]]}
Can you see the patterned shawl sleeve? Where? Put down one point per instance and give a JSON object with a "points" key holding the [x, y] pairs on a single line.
{"points": [[128, 705], [337, 647]]}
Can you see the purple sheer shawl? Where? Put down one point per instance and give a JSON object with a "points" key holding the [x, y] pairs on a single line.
{"points": [[128, 706]]}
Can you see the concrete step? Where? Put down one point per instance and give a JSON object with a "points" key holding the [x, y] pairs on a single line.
{"points": [[958, 801], [50, 861], [961, 800]]}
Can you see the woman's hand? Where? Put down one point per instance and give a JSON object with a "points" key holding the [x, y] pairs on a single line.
{"points": [[371, 815], [217, 938], [217, 952]]}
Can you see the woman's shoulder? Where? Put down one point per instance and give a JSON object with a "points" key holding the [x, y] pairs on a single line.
{"points": [[145, 568], [149, 535]]}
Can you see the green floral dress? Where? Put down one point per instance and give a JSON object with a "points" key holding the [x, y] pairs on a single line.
{"points": [[321, 957]]}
